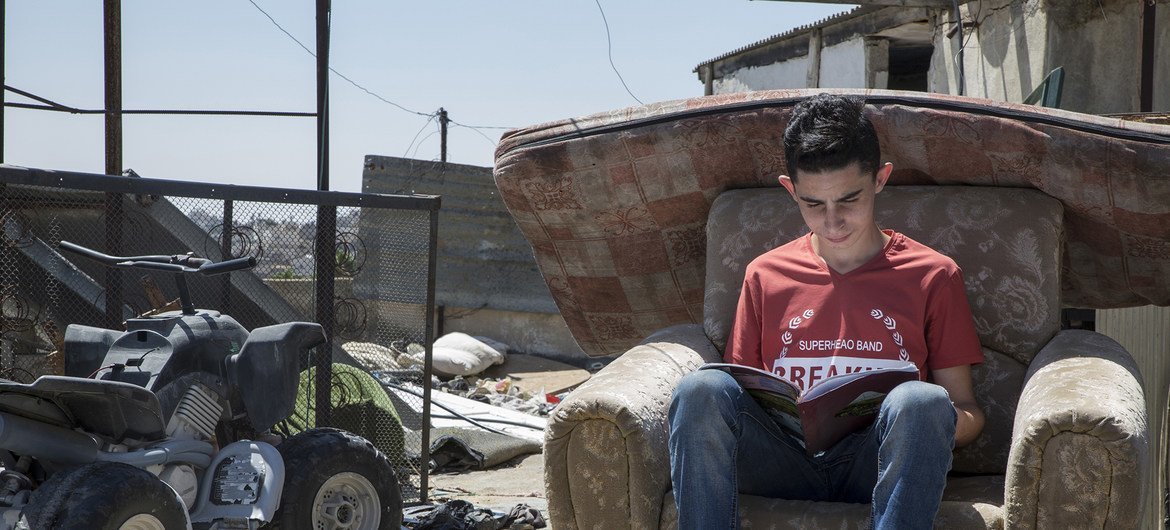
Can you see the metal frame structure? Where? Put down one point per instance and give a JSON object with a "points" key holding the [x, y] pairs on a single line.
{"points": [[327, 204]]}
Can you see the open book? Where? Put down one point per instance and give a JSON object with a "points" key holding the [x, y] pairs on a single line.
{"points": [[829, 411]]}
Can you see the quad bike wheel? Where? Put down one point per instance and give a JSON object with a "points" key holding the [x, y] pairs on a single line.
{"points": [[335, 480], [105, 496]]}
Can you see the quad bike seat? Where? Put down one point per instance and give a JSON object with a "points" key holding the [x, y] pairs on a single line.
{"points": [[111, 409]]}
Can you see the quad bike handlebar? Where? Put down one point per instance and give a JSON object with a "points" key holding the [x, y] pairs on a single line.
{"points": [[180, 263]]}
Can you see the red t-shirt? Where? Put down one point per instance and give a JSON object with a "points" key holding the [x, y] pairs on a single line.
{"points": [[802, 320]]}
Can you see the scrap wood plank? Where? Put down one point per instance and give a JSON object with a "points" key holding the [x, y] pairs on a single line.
{"points": [[532, 373]]}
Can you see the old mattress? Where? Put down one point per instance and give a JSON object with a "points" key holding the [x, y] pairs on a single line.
{"points": [[615, 204]]}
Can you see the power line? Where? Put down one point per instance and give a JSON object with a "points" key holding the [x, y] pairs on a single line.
{"points": [[417, 135], [281, 28], [420, 142], [609, 46], [477, 131], [362, 88], [484, 126], [331, 69]]}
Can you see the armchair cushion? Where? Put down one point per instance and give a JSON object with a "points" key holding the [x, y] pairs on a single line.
{"points": [[973, 503], [1007, 241]]}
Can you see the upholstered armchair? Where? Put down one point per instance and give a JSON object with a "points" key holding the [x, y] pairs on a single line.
{"points": [[642, 222], [1065, 442]]}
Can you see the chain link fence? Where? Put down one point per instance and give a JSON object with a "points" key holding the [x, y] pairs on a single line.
{"points": [[377, 319]]}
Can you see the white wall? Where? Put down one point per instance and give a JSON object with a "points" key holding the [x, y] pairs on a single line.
{"points": [[792, 73], [843, 65]]}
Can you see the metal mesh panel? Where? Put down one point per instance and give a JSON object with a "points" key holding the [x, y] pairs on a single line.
{"points": [[379, 311]]}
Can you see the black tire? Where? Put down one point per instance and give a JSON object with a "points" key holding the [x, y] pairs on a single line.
{"points": [[103, 496], [316, 462]]}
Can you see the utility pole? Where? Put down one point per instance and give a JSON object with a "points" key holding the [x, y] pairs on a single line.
{"points": [[442, 135]]}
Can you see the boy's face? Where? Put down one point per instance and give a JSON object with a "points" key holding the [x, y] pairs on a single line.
{"points": [[837, 205]]}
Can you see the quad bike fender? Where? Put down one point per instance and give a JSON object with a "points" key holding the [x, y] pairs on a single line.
{"points": [[244, 482], [267, 369], [42, 440]]}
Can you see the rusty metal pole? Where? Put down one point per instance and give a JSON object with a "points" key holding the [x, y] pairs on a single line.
{"points": [[114, 213], [325, 251]]}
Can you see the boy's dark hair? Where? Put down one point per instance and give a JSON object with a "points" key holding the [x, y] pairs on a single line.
{"points": [[828, 132]]}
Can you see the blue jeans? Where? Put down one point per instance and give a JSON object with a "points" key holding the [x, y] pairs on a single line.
{"points": [[722, 444]]}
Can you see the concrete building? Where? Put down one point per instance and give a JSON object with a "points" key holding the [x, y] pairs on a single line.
{"points": [[1115, 53]]}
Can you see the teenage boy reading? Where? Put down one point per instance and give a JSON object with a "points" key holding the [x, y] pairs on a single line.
{"points": [[806, 308]]}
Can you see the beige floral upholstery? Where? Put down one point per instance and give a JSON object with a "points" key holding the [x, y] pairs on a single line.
{"points": [[1066, 441], [968, 504], [606, 463]]}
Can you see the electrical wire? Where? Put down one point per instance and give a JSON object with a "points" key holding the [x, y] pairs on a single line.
{"points": [[444, 407], [485, 137], [429, 116], [609, 45], [958, 57], [420, 142], [100, 370], [50, 105], [331, 69], [483, 126], [420, 130]]}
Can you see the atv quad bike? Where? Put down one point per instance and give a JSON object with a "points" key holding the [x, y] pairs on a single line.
{"points": [[168, 426]]}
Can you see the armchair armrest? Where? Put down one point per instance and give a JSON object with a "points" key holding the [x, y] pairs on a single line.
{"points": [[606, 457], [1079, 456]]}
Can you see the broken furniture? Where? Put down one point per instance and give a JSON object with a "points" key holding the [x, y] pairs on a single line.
{"points": [[637, 235]]}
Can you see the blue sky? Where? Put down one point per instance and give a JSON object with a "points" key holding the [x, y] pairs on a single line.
{"points": [[496, 63]]}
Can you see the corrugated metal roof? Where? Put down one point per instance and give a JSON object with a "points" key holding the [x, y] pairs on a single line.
{"points": [[845, 15]]}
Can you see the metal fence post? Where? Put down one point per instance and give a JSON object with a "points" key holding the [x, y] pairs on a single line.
{"points": [[432, 261], [325, 261], [225, 242]]}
